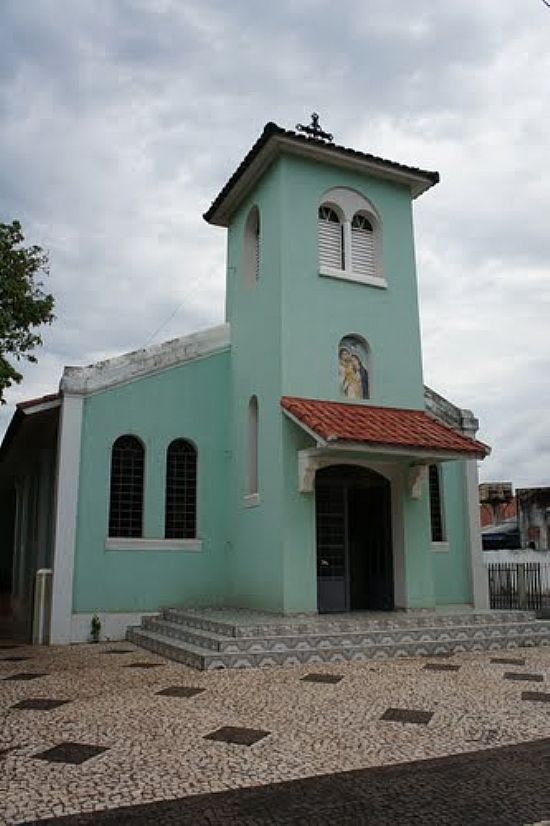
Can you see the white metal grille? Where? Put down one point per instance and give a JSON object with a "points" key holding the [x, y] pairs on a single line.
{"points": [[126, 501], [362, 246], [181, 491], [330, 239]]}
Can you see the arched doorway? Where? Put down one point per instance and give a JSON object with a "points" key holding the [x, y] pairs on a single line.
{"points": [[354, 541]]}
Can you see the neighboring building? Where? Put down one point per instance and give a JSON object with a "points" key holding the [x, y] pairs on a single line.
{"points": [[497, 503], [498, 512], [534, 517], [290, 459], [514, 521]]}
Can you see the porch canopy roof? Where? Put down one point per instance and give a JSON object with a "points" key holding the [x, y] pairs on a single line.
{"points": [[33, 428], [380, 428]]}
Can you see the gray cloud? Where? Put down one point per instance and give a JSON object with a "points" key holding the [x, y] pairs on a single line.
{"points": [[123, 118]]}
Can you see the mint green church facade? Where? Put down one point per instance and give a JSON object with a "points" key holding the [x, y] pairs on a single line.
{"points": [[290, 459]]}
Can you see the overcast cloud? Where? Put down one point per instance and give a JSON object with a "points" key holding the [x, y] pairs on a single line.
{"points": [[121, 120]]}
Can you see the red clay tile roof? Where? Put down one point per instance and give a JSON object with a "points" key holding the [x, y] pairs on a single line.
{"points": [[379, 426]]}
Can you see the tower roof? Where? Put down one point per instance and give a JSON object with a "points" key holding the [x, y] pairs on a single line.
{"points": [[274, 140]]}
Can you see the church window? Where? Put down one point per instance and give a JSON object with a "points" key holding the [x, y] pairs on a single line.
{"points": [[354, 368], [362, 245], [331, 239], [436, 504], [350, 238], [181, 490], [252, 470], [252, 247], [126, 499]]}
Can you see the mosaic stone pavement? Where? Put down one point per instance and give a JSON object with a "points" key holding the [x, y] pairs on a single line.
{"points": [[117, 742]]}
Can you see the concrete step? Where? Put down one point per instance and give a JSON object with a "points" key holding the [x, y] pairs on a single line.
{"points": [[205, 659], [391, 636], [325, 624]]}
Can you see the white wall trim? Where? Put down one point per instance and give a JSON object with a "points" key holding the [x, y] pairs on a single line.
{"points": [[123, 543], [113, 624], [440, 547], [252, 500], [68, 473], [145, 362], [478, 571], [349, 275]]}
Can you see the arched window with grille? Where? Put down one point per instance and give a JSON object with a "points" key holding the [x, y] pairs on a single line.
{"points": [[181, 490], [126, 495], [252, 467], [252, 247], [436, 505], [331, 238]]}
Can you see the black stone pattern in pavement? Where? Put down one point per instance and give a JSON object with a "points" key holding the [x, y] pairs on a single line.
{"points": [[329, 679], [505, 786], [74, 753]]}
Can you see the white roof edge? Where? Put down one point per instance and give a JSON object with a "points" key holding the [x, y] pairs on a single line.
{"points": [[40, 407], [450, 414], [145, 362]]}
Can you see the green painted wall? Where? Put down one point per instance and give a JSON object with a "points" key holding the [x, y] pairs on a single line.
{"points": [[187, 402], [256, 565], [318, 311], [452, 569]]}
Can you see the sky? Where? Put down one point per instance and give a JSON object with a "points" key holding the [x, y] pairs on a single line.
{"points": [[121, 120]]}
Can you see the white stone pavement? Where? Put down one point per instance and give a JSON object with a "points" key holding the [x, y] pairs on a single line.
{"points": [[156, 746]]}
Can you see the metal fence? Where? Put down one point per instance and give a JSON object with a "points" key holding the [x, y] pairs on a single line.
{"points": [[524, 585]]}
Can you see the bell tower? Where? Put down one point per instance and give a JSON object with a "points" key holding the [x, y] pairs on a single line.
{"points": [[322, 303]]}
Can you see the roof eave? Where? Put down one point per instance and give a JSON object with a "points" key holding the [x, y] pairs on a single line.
{"points": [[274, 141]]}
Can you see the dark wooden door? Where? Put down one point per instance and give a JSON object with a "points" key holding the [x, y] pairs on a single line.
{"points": [[354, 541]]}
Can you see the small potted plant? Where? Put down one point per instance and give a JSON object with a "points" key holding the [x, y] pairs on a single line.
{"points": [[95, 628]]}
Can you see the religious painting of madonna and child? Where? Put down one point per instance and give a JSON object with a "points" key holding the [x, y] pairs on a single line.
{"points": [[353, 368]]}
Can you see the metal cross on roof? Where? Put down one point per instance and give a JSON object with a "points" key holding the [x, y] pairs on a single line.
{"points": [[314, 129]]}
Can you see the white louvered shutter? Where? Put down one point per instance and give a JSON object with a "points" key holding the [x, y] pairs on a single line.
{"points": [[362, 246], [330, 239]]}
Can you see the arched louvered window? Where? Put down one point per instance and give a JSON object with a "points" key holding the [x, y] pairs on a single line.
{"points": [[181, 491], [331, 239], [350, 238], [252, 470], [362, 246], [126, 500], [436, 505], [252, 247]]}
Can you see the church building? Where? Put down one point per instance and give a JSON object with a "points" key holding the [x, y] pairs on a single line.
{"points": [[289, 460]]}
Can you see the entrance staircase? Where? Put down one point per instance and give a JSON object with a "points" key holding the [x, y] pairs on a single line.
{"points": [[227, 638]]}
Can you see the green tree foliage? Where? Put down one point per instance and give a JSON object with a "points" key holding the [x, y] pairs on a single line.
{"points": [[24, 306]]}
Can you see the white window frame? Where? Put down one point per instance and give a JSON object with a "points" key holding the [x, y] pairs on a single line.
{"points": [[347, 203]]}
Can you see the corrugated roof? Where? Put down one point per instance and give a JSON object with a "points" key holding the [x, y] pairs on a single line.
{"points": [[379, 426], [272, 130]]}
